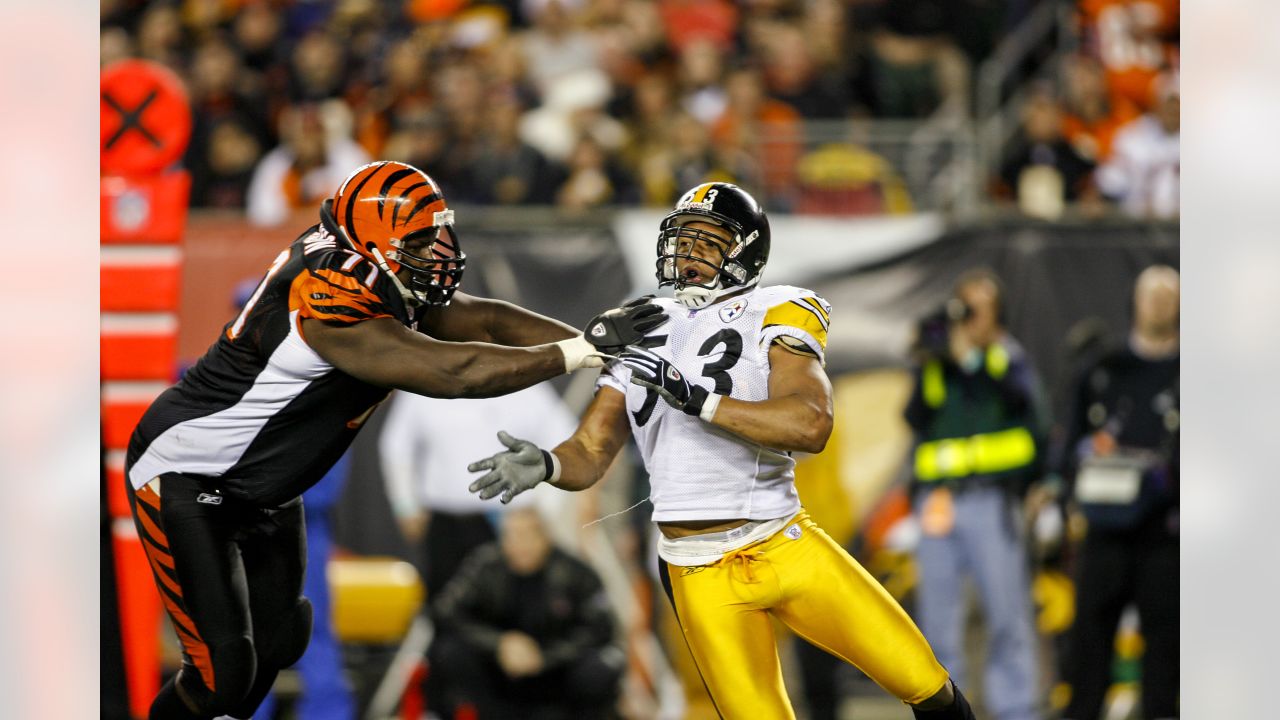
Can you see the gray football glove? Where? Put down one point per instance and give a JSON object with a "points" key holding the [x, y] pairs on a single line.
{"points": [[522, 466]]}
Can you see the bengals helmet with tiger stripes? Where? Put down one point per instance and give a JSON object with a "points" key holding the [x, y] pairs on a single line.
{"points": [[395, 215]]}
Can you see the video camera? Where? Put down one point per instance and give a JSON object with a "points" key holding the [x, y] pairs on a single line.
{"points": [[933, 331]]}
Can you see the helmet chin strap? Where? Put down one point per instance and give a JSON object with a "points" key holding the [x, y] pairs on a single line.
{"points": [[695, 297], [408, 295]]}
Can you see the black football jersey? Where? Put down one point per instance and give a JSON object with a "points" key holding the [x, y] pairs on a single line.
{"points": [[261, 415]]}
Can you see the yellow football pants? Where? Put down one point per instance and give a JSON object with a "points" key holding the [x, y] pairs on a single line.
{"points": [[810, 583]]}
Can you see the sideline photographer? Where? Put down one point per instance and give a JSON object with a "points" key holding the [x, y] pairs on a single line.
{"points": [[979, 418]]}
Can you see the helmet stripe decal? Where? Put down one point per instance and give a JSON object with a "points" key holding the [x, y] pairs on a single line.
{"points": [[387, 184], [406, 193], [421, 204], [701, 192], [350, 210]]}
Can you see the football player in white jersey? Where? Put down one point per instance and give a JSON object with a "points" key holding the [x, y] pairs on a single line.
{"points": [[718, 400]]}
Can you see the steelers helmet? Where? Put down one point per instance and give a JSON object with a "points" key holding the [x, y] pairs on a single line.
{"points": [[741, 262], [385, 206]]}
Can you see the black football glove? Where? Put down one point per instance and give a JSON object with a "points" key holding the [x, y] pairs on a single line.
{"points": [[612, 331], [650, 371]]}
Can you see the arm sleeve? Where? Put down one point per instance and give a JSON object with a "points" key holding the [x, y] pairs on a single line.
{"points": [[799, 324]]}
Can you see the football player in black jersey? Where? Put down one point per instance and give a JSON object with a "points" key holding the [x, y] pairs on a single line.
{"points": [[364, 302]]}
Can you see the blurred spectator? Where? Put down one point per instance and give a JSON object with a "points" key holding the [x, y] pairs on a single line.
{"points": [[317, 68], [1092, 117], [160, 36], [1142, 174], [422, 139], [701, 73], [594, 179], [257, 31], [914, 70], [792, 76], [226, 112], [526, 631], [685, 21], [506, 170], [574, 107], [1042, 169], [555, 47], [204, 19], [114, 45], [225, 168], [316, 154], [977, 414], [629, 38], [1135, 40], [1121, 453], [771, 128], [686, 159], [402, 90]]}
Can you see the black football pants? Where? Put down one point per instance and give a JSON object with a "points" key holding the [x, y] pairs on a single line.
{"points": [[230, 577]]}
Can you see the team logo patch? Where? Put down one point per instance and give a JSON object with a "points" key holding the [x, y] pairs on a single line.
{"points": [[209, 499], [792, 531], [673, 373], [598, 330], [730, 312]]}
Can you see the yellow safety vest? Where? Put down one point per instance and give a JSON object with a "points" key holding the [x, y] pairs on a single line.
{"points": [[979, 454], [982, 454]]}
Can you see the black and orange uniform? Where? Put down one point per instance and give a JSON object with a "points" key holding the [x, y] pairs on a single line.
{"points": [[217, 464]]}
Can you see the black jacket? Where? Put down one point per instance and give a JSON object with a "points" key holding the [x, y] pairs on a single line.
{"points": [[563, 606]]}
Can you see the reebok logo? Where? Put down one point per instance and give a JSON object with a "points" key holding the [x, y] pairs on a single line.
{"points": [[673, 373], [209, 499], [597, 330]]}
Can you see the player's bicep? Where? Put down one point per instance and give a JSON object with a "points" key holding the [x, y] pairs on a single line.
{"points": [[799, 375], [380, 352], [464, 319]]}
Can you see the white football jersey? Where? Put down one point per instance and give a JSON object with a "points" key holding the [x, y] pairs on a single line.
{"points": [[698, 471]]}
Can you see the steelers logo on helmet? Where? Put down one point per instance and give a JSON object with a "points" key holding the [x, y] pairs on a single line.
{"points": [[395, 215], [702, 265]]}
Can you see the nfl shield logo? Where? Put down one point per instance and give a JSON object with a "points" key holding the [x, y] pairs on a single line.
{"points": [[733, 309]]}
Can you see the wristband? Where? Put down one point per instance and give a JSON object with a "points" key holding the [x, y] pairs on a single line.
{"points": [[552, 465], [578, 353], [709, 407]]}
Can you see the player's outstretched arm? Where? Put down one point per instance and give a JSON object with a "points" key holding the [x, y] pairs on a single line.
{"points": [[383, 352], [575, 464], [798, 415], [474, 319]]}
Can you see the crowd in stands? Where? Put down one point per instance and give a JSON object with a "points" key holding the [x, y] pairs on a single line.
{"points": [[586, 103], [1109, 131]]}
